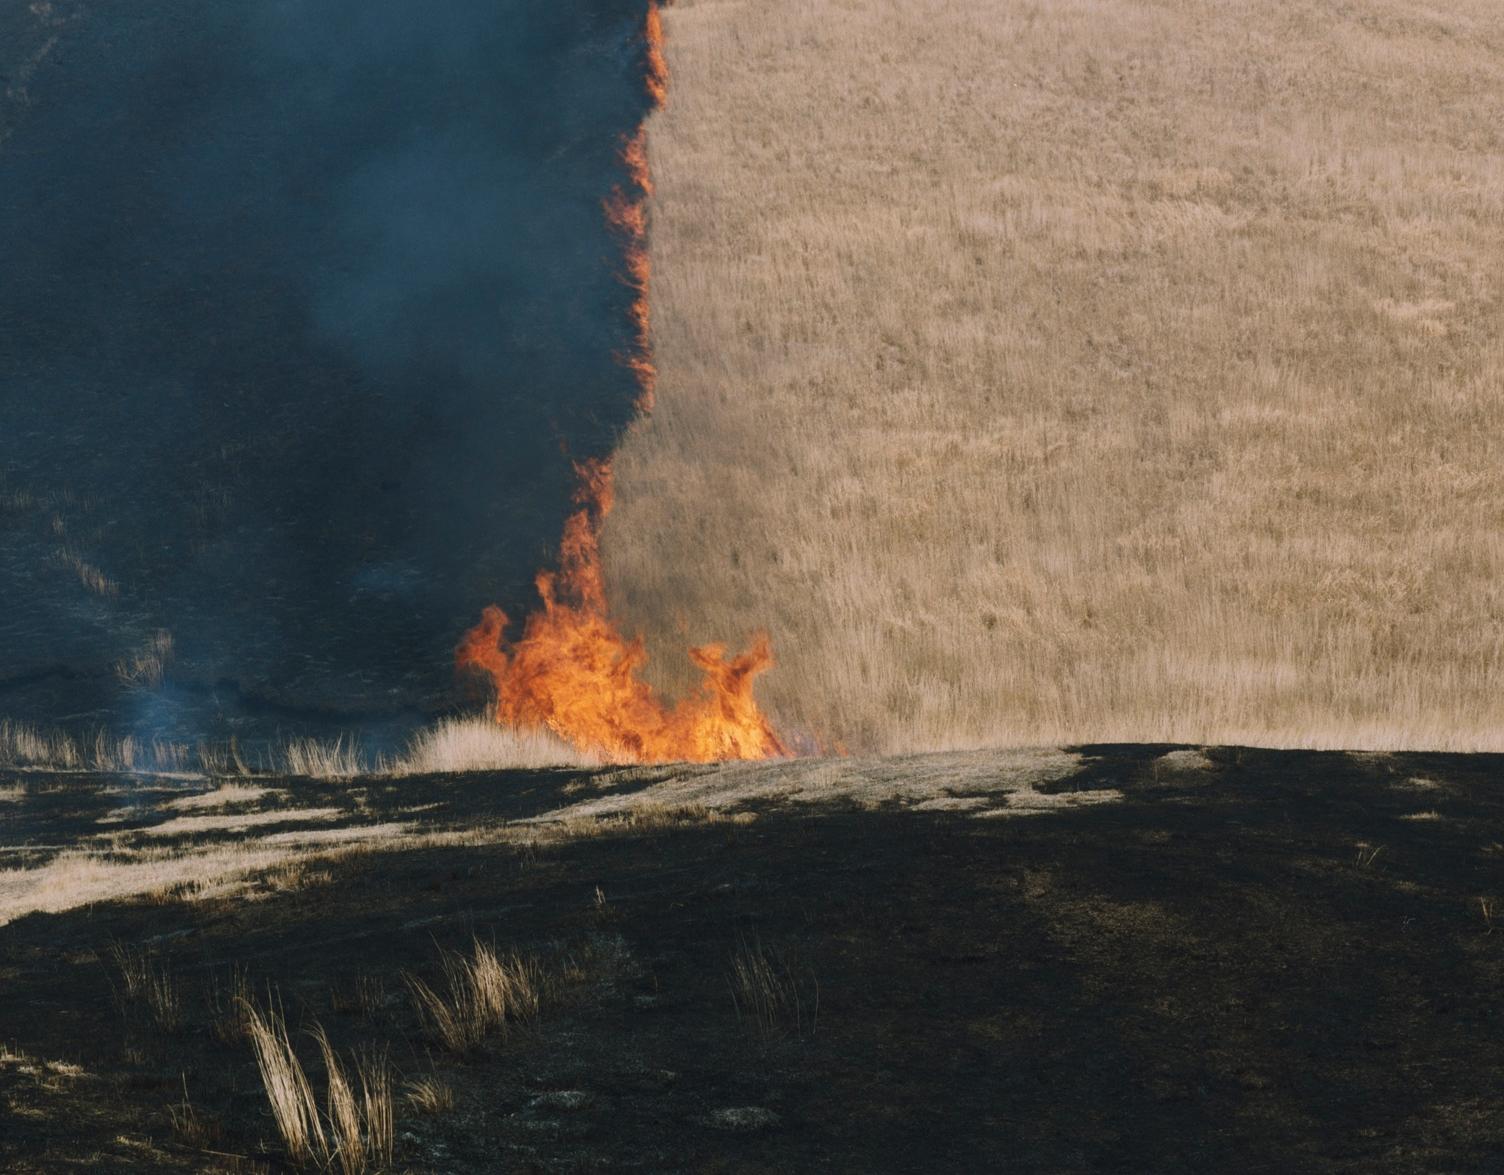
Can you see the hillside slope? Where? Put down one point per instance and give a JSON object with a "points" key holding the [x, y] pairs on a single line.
{"points": [[1081, 369], [1109, 959]]}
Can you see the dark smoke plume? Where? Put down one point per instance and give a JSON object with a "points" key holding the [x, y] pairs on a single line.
{"points": [[306, 310]]}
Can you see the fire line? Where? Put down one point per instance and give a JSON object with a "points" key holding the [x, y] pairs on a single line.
{"points": [[571, 671]]}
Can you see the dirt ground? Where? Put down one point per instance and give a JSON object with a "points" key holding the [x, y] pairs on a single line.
{"points": [[1113, 958]]}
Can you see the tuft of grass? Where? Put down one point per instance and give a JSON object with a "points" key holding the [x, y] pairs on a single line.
{"points": [[288, 1091], [223, 760], [26, 746], [147, 983], [190, 1125], [428, 1095], [360, 1120], [771, 994], [339, 759], [480, 993], [479, 744], [364, 997], [23, 745], [355, 1128], [453, 745], [229, 995]]}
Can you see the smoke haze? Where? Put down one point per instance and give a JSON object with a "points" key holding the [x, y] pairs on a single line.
{"points": [[306, 311]]}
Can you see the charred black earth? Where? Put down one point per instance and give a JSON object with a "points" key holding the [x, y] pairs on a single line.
{"points": [[1109, 959]]}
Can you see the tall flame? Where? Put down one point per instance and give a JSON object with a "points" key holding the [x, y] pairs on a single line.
{"points": [[657, 76], [571, 670]]}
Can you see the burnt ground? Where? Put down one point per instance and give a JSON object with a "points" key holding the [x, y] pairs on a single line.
{"points": [[1248, 961]]}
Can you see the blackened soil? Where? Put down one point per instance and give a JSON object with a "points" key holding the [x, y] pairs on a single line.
{"points": [[1281, 962]]}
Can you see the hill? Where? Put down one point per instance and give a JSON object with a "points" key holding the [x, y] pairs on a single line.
{"points": [[1080, 370], [1109, 958]]}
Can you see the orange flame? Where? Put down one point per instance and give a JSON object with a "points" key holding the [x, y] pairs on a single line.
{"points": [[657, 76], [571, 671]]}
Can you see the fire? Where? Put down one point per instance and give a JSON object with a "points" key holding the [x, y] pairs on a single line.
{"points": [[652, 34], [571, 670]]}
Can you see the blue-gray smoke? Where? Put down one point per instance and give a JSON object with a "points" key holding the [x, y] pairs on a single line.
{"points": [[306, 306]]}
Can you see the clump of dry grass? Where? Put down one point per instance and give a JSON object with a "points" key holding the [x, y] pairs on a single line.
{"points": [[355, 1127], [129, 754], [772, 993], [1040, 374], [26, 746], [481, 993], [223, 760], [146, 666], [147, 983], [451, 746], [365, 996], [22, 745], [337, 759], [191, 1126], [428, 1095], [479, 744], [88, 574], [229, 996]]}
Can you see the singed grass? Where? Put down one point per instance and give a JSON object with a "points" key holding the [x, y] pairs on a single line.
{"points": [[772, 995], [1041, 373], [23, 745]]}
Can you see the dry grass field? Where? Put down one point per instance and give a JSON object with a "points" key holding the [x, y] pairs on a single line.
{"points": [[1080, 369]]}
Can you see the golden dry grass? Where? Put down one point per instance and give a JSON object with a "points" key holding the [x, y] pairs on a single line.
{"points": [[428, 1095], [25, 746], [448, 746], [479, 744], [108, 870], [1080, 369], [481, 993], [354, 1129]]}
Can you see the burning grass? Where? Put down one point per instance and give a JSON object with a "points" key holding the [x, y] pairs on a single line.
{"points": [[571, 671]]}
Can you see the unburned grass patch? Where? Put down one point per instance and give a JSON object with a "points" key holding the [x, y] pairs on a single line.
{"points": [[477, 994], [353, 1127]]}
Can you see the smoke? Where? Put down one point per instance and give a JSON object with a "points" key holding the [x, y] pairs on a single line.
{"points": [[309, 310]]}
